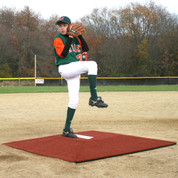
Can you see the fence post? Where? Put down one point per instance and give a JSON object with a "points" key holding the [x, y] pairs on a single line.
{"points": [[35, 69], [19, 82]]}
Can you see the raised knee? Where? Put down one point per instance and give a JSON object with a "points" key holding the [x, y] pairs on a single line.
{"points": [[93, 68], [94, 64]]}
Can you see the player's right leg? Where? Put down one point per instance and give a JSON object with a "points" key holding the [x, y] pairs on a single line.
{"points": [[73, 85]]}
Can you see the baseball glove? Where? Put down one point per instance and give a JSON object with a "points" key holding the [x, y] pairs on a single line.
{"points": [[76, 29]]}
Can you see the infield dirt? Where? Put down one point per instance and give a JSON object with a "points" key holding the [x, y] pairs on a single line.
{"points": [[145, 114]]}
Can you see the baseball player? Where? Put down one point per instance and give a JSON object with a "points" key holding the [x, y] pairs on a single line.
{"points": [[70, 61]]}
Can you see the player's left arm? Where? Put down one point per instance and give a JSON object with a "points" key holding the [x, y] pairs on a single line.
{"points": [[83, 44]]}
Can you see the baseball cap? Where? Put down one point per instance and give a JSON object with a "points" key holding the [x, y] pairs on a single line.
{"points": [[63, 19]]}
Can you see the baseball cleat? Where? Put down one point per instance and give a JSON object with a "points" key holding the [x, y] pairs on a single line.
{"points": [[98, 103], [69, 133]]}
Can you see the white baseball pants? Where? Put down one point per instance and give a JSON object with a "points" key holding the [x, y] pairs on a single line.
{"points": [[71, 73]]}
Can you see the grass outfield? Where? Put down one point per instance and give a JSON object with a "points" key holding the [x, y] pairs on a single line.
{"points": [[50, 89]]}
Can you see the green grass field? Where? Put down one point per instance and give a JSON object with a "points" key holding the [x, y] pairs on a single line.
{"points": [[50, 89]]}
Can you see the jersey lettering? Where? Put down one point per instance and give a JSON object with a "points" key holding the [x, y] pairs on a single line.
{"points": [[75, 48]]}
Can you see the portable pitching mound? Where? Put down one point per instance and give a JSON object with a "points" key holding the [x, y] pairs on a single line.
{"points": [[90, 145]]}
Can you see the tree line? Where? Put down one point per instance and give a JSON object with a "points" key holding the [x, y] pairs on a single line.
{"points": [[137, 40]]}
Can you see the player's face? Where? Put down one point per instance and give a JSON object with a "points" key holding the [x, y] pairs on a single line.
{"points": [[63, 28]]}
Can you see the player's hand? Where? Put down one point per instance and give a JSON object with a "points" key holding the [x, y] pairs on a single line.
{"points": [[76, 29], [70, 36]]}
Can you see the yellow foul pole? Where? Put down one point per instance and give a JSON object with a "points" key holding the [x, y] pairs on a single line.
{"points": [[35, 69]]}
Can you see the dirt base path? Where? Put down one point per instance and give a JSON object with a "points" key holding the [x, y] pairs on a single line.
{"points": [[146, 114]]}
